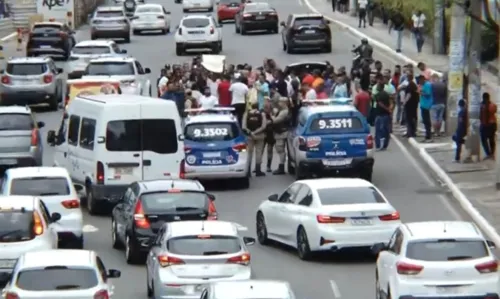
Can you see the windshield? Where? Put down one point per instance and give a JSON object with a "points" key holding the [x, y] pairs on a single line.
{"points": [[195, 23], [40, 186], [15, 226], [331, 123], [16, 122], [204, 245], [109, 14], [163, 201], [349, 196], [110, 69], [157, 10], [26, 69], [446, 250], [57, 278], [211, 131], [91, 50]]}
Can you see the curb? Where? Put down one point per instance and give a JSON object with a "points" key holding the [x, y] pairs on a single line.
{"points": [[8, 37], [374, 42], [457, 194]]}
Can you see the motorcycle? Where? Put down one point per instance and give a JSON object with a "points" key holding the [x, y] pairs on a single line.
{"points": [[129, 6]]}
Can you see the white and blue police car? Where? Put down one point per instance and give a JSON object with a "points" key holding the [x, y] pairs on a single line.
{"points": [[215, 146], [330, 138]]}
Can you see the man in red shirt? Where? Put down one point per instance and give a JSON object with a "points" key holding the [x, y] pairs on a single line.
{"points": [[308, 79], [362, 100], [224, 93]]}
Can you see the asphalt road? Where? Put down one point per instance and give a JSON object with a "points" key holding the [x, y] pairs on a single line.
{"points": [[336, 276]]}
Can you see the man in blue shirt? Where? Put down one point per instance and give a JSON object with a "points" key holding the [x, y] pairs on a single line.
{"points": [[262, 90], [426, 102]]}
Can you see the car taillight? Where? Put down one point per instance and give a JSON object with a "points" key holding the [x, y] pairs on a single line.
{"points": [[390, 217], [329, 219], [212, 30], [139, 216], [102, 294], [47, 79], [5, 80], [37, 224], [212, 211], [243, 259], [187, 149], [182, 169], [313, 141], [240, 147], [246, 16], [11, 295], [369, 141], [161, 17], [100, 173], [71, 204], [408, 269], [34, 137], [165, 260], [180, 31], [489, 267]]}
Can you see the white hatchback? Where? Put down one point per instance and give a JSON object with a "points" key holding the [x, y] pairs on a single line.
{"points": [[198, 32], [54, 186]]}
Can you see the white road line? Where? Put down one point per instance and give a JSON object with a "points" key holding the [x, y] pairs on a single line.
{"points": [[335, 289]]}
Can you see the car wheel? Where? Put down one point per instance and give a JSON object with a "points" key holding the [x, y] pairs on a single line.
{"points": [[243, 31], [130, 252], [220, 46], [92, 205], [127, 39], [237, 29], [261, 229], [54, 101], [78, 243], [289, 50], [328, 48], [148, 286], [303, 249], [178, 50], [114, 236], [244, 183], [167, 30]]}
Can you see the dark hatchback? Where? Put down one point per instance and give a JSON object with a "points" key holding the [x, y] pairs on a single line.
{"points": [[147, 205], [256, 16], [50, 38], [306, 32]]}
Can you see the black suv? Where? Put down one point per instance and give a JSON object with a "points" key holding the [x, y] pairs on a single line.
{"points": [[50, 38], [307, 32]]}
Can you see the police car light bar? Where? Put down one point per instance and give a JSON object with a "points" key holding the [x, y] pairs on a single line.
{"points": [[341, 101], [210, 110]]}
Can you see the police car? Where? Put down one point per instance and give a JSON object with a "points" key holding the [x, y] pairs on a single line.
{"points": [[215, 146], [330, 139]]}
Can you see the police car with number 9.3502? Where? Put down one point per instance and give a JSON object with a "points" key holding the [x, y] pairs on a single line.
{"points": [[215, 146], [330, 139]]}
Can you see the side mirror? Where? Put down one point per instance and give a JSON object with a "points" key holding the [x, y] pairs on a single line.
{"points": [[51, 137], [123, 51], [377, 248], [282, 24], [147, 70], [168, 13], [273, 197], [248, 240], [60, 70], [40, 124], [112, 273], [491, 244], [55, 217], [211, 196]]}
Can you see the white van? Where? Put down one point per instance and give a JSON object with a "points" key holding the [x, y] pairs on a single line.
{"points": [[107, 142]]}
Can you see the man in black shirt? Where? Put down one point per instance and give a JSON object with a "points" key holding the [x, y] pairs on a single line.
{"points": [[382, 118], [398, 24], [410, 103]]}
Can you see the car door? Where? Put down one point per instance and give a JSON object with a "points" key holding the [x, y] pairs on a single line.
{"points": [[119, 214], [296, 212], [141, 77], [386, 262], [281, 210], [156, 249]]}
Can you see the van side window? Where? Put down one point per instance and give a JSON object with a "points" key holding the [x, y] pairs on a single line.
{"points": [[87, 133], [74, 125]]}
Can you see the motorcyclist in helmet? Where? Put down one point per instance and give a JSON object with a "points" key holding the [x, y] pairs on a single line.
{"points": [[365, 50]]}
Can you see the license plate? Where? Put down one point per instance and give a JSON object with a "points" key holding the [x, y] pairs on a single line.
{"points": [[449, 290], [8, 161], [212, 155], [45, 47], [7, 264], [122, 171], [339, 162], [310, 32], [361, 222], [260, 18]]}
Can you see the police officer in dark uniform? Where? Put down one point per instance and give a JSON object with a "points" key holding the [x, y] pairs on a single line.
{"points": [[254, 124]]}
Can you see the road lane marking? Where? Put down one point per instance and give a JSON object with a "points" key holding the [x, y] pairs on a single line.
{"points": [[335, 289], [88, 228]]}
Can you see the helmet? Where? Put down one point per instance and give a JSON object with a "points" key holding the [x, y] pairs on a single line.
{"points": [[364, 41]]}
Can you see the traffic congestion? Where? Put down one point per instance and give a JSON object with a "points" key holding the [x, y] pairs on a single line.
{"points": [[152, 187]]}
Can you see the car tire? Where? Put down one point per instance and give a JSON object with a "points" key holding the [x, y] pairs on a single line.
{"points": [[299, 173], [303, 249], [243, 183], [136, 32], [167, 30], [149, 289], [216, 49], [127, 39], [328, 48], [261, 229], [131, 255], [237, 29], [284, 46], [179, 50], [115, 240], [366, 174], [78, 243], [92, 204], [54, 102], [242, 30]]}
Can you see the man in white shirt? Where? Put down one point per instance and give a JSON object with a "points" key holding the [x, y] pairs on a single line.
{"points": [[207, 100], [239, 92], [418, 29], [362, 12], [162, 83], [310, 93], [213, 83]]}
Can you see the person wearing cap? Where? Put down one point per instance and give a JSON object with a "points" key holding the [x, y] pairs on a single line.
{"points": [[254, 125], [280, 122]]}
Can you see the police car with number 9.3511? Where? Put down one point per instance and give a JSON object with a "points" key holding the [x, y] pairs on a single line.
{"points": [[330, 139], [215, 146]]}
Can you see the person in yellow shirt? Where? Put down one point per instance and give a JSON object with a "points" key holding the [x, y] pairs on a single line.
{"points": [[317, 79]]}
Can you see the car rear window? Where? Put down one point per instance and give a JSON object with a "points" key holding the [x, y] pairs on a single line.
{"points": [[204, 245], [15, 226], [156, 135], [182, 201], [46, 27], [16, 122], [349, 195], [40, 186], [299, 22], [211, 131], [195, 23], [57, 278], [330, 123], [148, 10], [109, 14], [26, 69], [257, 7], [446, 250], [91, 50], [111, 68]]}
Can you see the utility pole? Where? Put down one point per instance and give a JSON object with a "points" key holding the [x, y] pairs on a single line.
{"points": [[353, 7], [472, 143], [456, 56], [439, 19]]}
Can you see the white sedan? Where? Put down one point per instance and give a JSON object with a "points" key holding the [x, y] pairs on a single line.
{"points": [[327, 215], [151, 17]]}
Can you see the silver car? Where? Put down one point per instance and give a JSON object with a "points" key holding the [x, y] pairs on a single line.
{"points": [[20, 138], [187, 255], [110, 22], [249, 289], [32, 80]]}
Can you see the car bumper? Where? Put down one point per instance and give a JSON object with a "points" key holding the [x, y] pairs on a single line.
{"points": [[260, 25], [108, 193], [237, 170], [110, 33], [70, 226], [197, 45], [22, 159], [354, 168], [425, 289], [151, 26], [310, 44], [27, 97]]}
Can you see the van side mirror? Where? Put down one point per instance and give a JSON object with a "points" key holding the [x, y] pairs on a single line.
{"points": [[273, 197], [147, 70], [112, 273], [123, 51], [51, 137], [248, 240]]}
